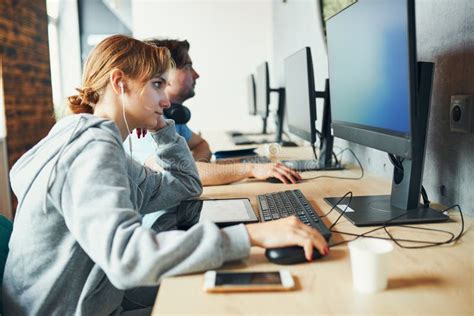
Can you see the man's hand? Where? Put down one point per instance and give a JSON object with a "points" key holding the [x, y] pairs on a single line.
{"points": [[277, 170]]}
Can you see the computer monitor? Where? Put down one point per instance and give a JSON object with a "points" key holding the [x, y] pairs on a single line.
{"points": [[301, 108], [251, 95], [380, 98], [263, 91], [251, 106], [262, 77]]}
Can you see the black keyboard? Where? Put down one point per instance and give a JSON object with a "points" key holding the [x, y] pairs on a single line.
{"points": [[244, 140], [282, 204], [308, 165], [301, 165], [256, 159]]}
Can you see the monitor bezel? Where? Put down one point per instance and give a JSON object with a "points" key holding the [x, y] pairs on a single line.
{"points": [[262, 81], [251, 95], [310, 136], [386, 140]]}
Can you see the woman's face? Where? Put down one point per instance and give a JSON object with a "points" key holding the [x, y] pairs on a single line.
{"points": [[146, 103]]}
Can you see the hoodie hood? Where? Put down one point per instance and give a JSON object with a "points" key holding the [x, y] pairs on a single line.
{"points": [[44, 156]]}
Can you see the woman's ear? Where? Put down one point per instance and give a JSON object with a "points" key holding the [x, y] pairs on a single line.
{"points": [[117, 81]]}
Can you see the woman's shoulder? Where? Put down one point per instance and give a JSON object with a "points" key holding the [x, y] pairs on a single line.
{"points": [[88, 126], [85, 130]]}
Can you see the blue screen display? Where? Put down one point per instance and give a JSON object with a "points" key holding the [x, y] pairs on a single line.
{"points": [[368, 51]]}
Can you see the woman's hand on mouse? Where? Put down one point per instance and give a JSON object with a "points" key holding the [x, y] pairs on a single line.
{"points": [[277, 170], [289, 231]]}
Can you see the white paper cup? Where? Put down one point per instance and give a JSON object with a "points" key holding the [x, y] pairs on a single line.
{"points": [[369, 260]]}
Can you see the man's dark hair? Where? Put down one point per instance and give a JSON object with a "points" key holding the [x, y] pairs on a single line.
{"points": [[178, 49]]}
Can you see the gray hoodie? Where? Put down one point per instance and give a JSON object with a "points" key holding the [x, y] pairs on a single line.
{"points": [[77, 240]]}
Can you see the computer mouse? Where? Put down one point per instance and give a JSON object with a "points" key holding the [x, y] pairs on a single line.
{"points": [[274, 180], [289, 255]]}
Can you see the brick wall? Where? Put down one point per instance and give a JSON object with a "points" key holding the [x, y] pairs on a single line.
{"points": [[26, 74]]}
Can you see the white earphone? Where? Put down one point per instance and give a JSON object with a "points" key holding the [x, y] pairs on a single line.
{"points": [[129, 140], [122, 95], [121, 87]]}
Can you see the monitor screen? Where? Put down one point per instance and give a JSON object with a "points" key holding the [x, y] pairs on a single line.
{"points": [[371, 65], [263, 89], [300, 98], [252, 106]]}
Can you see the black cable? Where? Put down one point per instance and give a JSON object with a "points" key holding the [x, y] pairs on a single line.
{"points": [[397, 241], [426, 201], [337, 203], [314, 151], [365, 235], [433, 244], [353, 234], [343, 211], [343, 178], [336, 161], [397, 162]]}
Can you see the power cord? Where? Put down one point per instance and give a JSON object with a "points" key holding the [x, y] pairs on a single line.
{"points": [[344, 178], [397, 162], [427, 243], [313, 146]]}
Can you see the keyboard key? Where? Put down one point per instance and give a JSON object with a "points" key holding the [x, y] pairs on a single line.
{"points": [[278, 205]]}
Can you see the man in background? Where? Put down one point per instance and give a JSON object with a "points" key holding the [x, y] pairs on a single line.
{"points": [[181, 88]]}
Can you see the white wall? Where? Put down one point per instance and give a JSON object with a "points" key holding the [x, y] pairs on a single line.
{"points": [[296, 24], [69, 50], [64, 51], [228, 38]]}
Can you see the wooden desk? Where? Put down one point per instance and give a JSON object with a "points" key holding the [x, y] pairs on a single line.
{"points": [[432, 281]]}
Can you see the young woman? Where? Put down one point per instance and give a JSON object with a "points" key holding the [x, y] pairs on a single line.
{"points": [[78, 242]]}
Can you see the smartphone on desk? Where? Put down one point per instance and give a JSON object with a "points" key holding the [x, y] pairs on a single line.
{"points": [[221, 281]]}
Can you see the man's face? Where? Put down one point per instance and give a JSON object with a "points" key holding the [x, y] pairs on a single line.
{"points": [[182, 84]]}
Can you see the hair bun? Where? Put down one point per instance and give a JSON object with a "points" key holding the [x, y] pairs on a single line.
{"points": [[88, 96], [83, 102]]}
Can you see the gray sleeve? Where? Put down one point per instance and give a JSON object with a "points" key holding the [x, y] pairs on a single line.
{"points": [[179, 179], [98, 211]]}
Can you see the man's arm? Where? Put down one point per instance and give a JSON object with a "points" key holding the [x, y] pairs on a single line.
{"points": [[216, 174], [199, 148]]}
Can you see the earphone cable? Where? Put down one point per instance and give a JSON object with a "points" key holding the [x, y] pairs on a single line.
{"points": [[130, 146]]}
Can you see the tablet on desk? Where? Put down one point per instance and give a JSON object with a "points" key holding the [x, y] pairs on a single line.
{"points": [[223, 212]]}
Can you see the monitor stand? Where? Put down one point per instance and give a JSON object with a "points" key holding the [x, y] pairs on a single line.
{"points": [[278, 138], [237, 134], [407, 179], [255, 138], [325, 160], [377, 210]]}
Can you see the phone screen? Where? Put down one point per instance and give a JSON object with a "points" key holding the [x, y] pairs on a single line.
{"points": [[249, 278]]}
